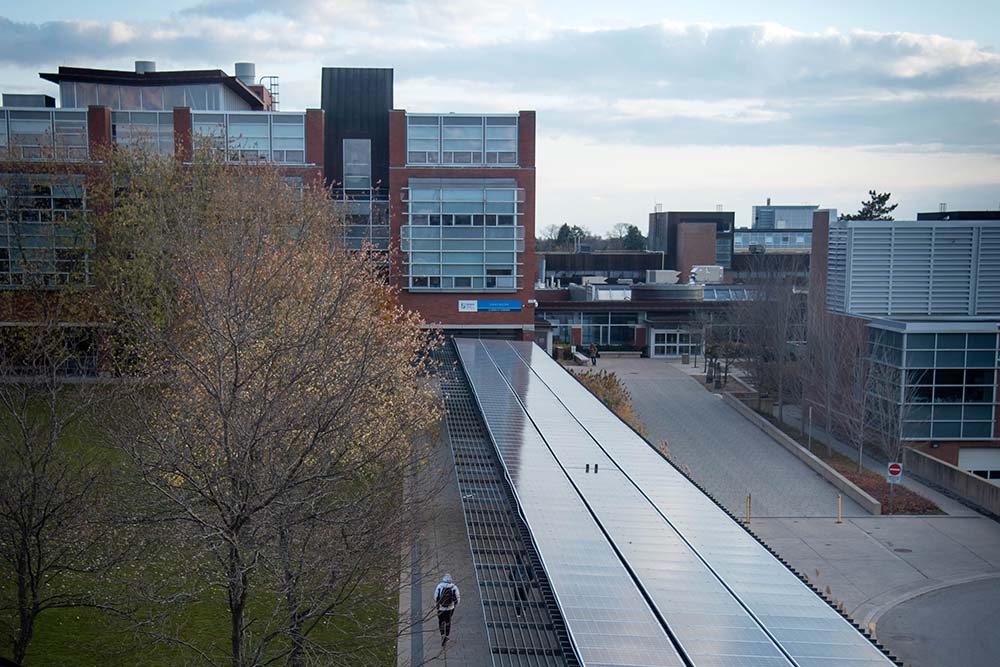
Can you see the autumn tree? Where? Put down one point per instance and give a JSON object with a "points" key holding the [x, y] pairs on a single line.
{"points": [[282, 403], [876, 207]]}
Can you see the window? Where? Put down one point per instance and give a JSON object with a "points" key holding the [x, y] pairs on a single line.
{"points": [[288, 138], [357, 164], [154, 130], [463, 257], [47, 134], [279, 137], [950, 390], [249, 136], [462, 140], [45, 237]]}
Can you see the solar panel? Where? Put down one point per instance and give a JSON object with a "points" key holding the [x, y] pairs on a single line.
{"points": [[606, 616], [707, 621], [804, 625]]}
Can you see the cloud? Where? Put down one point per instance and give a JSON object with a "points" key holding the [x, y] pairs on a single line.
{"points": [[662, 83]]}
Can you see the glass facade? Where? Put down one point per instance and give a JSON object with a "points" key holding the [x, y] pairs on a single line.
{"points": [[259, 135], [198, 97], [454, 140], [44, 134], [948, 381], [463, 234], [675, 342], [600, 328], [773, 240], [357, 164], [45, 238], [724, 251], [462, 258], [154, 130]]}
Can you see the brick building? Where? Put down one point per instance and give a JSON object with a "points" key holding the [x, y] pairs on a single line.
{"points": [[452, 195], [462, 211], [692, 238], [48, 154]]}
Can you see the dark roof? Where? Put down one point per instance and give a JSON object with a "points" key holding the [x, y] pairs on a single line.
{"points": [[178, 78]]}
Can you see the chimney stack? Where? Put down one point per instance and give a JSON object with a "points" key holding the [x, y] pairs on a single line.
{"points": [[246, 73]]}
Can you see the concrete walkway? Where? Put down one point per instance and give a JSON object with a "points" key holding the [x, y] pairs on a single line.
{"points": [[720, 448], [442, 546]]}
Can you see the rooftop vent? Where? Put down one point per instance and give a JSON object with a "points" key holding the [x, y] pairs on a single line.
{"points": [[942, 207], [145, 66], [246, 73]]}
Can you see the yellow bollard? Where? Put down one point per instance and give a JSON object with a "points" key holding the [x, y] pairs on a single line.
{"points": [[840, 508], [748, 509]]}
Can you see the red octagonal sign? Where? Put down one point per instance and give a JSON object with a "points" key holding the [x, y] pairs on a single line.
{"points": [[895, 469]]}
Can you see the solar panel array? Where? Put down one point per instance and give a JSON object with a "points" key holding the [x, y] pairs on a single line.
{"points": [[600, 503]]}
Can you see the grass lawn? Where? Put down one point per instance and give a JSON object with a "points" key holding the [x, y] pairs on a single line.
{"points": [[85, 637]]}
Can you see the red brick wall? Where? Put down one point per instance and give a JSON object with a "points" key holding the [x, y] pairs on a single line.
{"points": [[695, 246], [640, 338], [98, 129], [442, 308], [314, 136], [183, 142]]}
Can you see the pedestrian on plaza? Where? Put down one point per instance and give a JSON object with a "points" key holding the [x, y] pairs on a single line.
{"points": [[446, 598], [593, 354]]}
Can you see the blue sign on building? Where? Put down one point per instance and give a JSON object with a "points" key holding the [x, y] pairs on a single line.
{"points": [[498, 306]]}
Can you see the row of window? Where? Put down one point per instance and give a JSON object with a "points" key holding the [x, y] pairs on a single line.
{"points": [[951, 430], [144, 128], [278, 137], [45, 238], [201, 97], [461, 140], [742, 240], [477, 258], [44, 134]]}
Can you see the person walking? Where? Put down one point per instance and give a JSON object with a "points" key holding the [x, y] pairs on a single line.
{"points": [[593, 354], [446, 598]]}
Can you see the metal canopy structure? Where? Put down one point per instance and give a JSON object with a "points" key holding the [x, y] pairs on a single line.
{"points": [[646, 569]]}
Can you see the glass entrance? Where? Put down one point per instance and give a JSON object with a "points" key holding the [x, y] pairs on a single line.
{"points": [[674, 343]]}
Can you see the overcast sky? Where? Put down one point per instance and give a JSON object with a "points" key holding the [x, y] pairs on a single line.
{"points": [[638, 102]]}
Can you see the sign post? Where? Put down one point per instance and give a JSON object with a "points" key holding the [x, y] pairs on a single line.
{"points": [[893, 475]]}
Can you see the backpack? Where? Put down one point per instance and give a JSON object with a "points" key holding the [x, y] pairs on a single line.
{"points": [[447, 597]]}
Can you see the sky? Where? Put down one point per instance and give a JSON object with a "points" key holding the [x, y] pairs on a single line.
{"points": [[686, 104]]}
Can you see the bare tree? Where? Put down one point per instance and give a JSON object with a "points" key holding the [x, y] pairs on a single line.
{"points": [[284, 397], [56, 487], [771, 323]]}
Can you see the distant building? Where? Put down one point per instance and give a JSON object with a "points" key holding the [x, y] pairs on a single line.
{"points": [[782, 216], [692, 238]]}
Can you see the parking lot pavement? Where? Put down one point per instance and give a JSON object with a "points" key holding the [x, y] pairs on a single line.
{"points": [[723, 451]]}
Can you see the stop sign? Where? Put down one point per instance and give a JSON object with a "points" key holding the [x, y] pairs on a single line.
{"points": [[894, 472]]}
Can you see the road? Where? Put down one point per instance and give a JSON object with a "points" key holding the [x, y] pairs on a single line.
{"points": [[953, 626]]}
